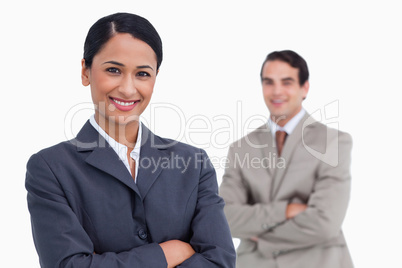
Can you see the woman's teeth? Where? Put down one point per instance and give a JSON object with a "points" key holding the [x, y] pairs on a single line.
{"points": [[124, 103]]}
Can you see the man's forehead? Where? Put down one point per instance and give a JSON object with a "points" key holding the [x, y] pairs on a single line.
{"points": [[279, 69]]}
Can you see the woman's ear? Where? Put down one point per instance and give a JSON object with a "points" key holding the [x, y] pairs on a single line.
{"points": [[84, 74]]}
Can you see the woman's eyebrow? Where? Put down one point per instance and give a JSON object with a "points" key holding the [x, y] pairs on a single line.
{"points": [[145, 66], [114, 62], [121, 64]]}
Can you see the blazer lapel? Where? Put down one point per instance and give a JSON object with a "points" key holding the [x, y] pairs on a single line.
{"points": [[268, 146], [153, 157], [288, 150], [103, 157]]}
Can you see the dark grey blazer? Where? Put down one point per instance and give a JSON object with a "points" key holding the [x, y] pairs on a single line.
{"points": [[82, 200]]}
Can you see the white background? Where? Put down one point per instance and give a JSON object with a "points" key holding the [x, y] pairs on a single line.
{"points": [[213, 51]]}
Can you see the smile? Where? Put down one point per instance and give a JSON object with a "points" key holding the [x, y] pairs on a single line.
{"points": [[124, 105]]}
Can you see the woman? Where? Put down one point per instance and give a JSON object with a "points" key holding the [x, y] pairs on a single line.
{"points": [[117, 195]]}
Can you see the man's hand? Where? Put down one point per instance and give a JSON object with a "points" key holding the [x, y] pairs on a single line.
{"points": [[293, 209], [176, 252]]}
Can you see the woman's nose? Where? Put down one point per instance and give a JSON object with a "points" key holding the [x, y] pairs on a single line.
{"points": [[128, 87]]}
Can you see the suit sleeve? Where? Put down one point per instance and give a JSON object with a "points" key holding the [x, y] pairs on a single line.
{"points": [[246, 220], [326, 207], [60, 239], [211, 237]]}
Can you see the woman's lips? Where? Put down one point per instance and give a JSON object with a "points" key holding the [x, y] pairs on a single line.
{"points": [[124, 105]]}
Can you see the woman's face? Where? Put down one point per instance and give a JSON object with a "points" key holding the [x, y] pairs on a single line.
{"points": [[122, 78]]}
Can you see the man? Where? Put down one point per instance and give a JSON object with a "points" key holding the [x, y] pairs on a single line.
{"points": [[286, 202]]}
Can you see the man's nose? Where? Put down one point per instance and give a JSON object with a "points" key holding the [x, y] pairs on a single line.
{"points": [[277, 89]]}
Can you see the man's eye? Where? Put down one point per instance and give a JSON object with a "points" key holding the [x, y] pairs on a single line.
{"points": [[113, 70]]}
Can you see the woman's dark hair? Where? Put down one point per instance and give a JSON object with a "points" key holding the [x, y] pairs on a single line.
{"points": [[293, 59], [106, 27]]}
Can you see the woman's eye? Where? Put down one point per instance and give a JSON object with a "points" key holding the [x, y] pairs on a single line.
{"points": [[113, 70], [143, 74]]}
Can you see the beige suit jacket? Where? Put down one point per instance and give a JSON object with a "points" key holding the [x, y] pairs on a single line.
{"points": [[257, 186]]}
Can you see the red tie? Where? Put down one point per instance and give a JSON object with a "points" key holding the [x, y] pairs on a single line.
{"points": [[280, 137]]}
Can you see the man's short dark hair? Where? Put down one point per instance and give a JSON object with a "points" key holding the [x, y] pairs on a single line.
{"points": [[293, 59]]}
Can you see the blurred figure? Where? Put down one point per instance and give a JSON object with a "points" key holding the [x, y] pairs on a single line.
{"points": [[286, 184]]}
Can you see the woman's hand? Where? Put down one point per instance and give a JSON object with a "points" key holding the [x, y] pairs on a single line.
{"points": [[176, 252]]}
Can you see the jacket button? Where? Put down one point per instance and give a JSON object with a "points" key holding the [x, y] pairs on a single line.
{"points": [[142, 234]]}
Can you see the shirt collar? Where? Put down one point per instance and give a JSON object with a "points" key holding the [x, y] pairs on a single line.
{"points": [[290, 126], [121, 149]]}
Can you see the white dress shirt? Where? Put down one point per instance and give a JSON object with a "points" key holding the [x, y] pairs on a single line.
{"points": [[120, 149], [289, 127]]}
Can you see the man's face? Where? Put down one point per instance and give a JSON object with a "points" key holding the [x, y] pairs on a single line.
{"points": [[282, 92]]}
